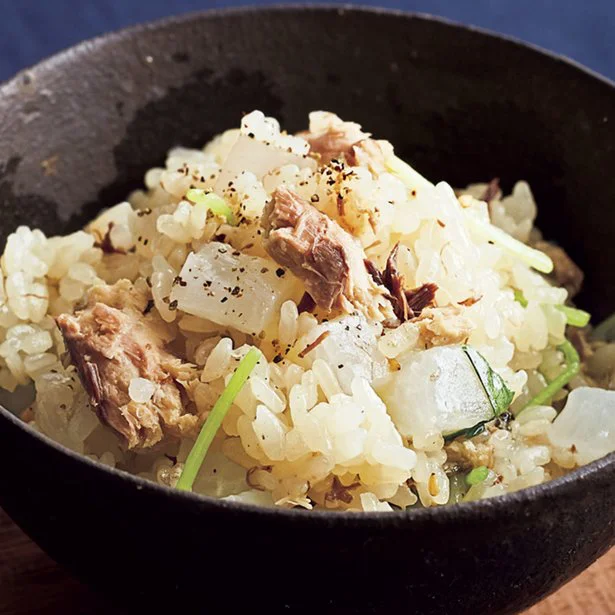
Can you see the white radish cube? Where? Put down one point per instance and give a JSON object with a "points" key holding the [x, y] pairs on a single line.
{"points": [[586, 425], [231, 289], [437, 390]]}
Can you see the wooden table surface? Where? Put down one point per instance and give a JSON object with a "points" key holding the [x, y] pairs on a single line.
{"points": [[32, 583]]}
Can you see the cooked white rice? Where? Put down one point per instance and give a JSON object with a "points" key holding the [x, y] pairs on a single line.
{"points": [[336, 428]]}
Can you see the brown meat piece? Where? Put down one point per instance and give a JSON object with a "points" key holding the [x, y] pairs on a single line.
{"points": [[306, 304], [310, 244], [319, 252], [492, 191], [336, 140], [406, 303], [345, 140], [110, 343], [420, 298], [394, 281], [106, 244], [329, 146], [338, 145], [371, 154], [441, 326], [339, 493], [373, 271], [565, 271]]}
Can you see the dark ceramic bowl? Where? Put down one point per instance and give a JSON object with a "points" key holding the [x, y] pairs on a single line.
{"points": [[78, 132]]}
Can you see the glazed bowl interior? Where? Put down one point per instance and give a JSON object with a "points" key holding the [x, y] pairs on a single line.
{"points": [[461, 105]]}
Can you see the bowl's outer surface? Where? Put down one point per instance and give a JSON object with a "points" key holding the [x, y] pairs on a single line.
{"points": [[79, 131]]}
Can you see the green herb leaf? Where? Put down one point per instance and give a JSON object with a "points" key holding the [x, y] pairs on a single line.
{"points": [[477, 475], [470, 432], [520, 298], [574, 316], [215, 418], [499, 395], [573, 364], [214, 203]]}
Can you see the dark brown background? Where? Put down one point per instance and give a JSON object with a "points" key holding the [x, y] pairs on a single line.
{"points": [[30, 582]]}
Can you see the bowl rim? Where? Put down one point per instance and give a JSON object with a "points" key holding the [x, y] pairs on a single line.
{"points": [[503, 505], [67, 53]]}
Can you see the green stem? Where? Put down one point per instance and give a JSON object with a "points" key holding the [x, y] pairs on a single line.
{"points": [[411, 178], [520, 297], [215, 418], [574, 316], [488, 232], [214, 203], [573, 364], [477, 475], [517, 249]]}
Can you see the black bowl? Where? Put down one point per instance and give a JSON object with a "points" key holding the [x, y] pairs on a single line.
{"points": [[79, 131]]}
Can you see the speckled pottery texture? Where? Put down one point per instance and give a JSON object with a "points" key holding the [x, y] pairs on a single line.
{"points": [[78, 132]]}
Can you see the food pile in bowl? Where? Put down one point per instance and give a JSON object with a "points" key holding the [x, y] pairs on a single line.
{"points": [[306, 321]]}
